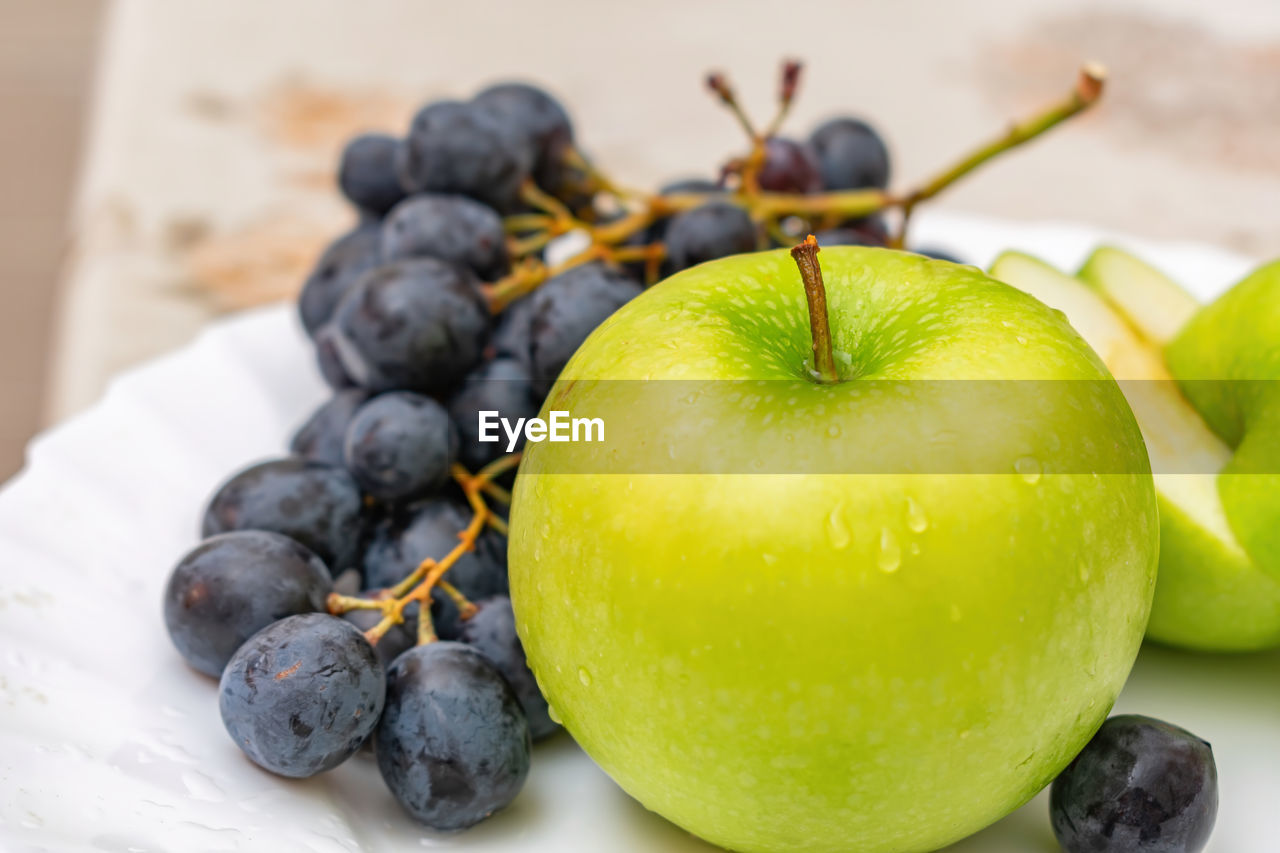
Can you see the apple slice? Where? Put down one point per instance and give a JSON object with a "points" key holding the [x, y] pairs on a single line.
{"points": [[1210, 594], [1156, 306]]}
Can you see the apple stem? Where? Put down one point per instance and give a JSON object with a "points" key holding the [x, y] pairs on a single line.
{"points": [[1088, 89], [815, 292]]}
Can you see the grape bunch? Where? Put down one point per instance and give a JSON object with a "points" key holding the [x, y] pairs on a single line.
{"points": [[355, 589]]}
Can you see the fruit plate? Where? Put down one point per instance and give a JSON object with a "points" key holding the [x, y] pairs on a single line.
{"points": [[109, 742]]}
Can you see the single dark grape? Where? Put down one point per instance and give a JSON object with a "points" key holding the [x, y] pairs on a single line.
{"points": [[851, 155], [318, 505], [328, 360], [1140, 786], [449, 227], [492, 631], [502, 385], [789, 166], [399, 639], [937, 254], [430, 528], [339, 268], [321, 438], [232, 586], [714, 230], [542, 119], [399, 445], [682, 186], [565, 310], [367, 173], [453, 744], [302, 694], [468, 149], [414, 325]]}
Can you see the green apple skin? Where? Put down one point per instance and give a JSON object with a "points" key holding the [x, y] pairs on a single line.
{"points": [[1234, 344], [1210, 596], [818, 662]]}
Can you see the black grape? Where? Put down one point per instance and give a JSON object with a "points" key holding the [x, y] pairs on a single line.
{"points": [[468, 149], [789, 167], [851, 155], [318, 505], [414, 325], [302, 694], [714, 230], [367, 173], [232, 586], [449, 227], [399, 445], [565, 310], [542, 119], [453, 745], [492, 631], [1139, 785]]}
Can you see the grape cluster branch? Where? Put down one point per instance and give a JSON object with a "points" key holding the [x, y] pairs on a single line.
{"points": [[551, 218], [429, 574]]}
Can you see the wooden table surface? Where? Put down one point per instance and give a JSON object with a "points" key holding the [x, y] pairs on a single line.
{"points": [[208, 181]]}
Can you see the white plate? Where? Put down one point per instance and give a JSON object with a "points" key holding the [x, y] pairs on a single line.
{"points": [[108, 742]]}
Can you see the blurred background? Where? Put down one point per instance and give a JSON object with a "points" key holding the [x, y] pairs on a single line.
{"points": [[166, 161]]}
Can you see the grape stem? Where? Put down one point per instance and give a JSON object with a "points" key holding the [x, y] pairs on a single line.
{"points": [[1087, 91], [417, 585], [815, 293], [643, 210]]}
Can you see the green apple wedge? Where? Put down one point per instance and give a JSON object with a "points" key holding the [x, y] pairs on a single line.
{"points": [[1213, 593], [817, 658], [1155, 305]]}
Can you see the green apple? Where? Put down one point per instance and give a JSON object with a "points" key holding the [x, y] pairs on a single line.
{"points": [[818, 661], [1219, 583]]}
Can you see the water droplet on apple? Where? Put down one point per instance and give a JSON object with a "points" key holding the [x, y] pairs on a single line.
{"points": [[913, 549], [890, 556], [916, 519], [837, 528], [1020, 339], [1084, 573], [554, 714], [1028, 468], [833, 431], [584, 676]]}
